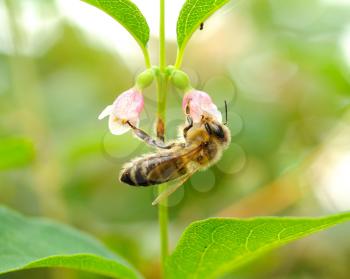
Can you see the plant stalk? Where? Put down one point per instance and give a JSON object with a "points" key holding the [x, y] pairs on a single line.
{"points": [[146, 57], [162, 86], [162, 51], [179, 57]]}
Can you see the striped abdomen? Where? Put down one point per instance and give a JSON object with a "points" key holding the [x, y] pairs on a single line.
{"points": [[154, 169]]}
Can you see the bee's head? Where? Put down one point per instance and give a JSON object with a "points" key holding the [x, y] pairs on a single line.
{"points": [[208, 128], [216, 129]]}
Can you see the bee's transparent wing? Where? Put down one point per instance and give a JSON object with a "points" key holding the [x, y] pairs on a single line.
{"points": [[173, 186], [166, 167]]}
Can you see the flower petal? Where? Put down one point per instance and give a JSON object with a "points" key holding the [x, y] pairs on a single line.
{"points": [[107, 111], [129, 104], [200, 103], [127, 107], [117, 127], [214, 111]]}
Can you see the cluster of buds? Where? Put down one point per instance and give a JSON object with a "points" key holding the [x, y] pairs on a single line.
{"points": [[128, 106]]}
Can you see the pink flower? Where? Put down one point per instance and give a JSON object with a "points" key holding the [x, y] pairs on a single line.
{"points": [[127, 107], [200, 104]]}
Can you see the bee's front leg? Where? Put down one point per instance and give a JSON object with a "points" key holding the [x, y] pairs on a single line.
{"points": [[189, 126], [189, 120], [148, 139]]}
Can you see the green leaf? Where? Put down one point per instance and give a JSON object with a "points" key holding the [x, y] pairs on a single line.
{"points": [[15, 152], [213, 247], [31, 243], [192, 14], [128, 15]]}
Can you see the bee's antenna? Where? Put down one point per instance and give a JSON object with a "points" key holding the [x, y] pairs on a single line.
{"points": [[226, 121]]}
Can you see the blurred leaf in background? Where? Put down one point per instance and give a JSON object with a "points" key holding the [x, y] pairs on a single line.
{"points": [[15, 152], [49, 244]]}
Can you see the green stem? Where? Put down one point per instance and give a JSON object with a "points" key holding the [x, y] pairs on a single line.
{"points": [[179, 57], [162, 57], [163, 206], [163, 223], [146, 56], [161, 113]]}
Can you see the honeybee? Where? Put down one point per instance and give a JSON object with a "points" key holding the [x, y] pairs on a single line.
{"points": [[200, 147]]}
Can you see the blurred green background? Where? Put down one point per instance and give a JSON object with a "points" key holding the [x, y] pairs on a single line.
{"points": [[283, 67]]}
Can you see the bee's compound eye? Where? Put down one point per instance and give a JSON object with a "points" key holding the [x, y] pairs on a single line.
{"points": [[208, 128], [218, 131]]}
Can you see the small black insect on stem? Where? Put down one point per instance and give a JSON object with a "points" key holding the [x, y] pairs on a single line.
{"points": [[201, 27]]}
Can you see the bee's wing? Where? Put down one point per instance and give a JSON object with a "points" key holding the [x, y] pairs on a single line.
{"points": [[173, 186], [173, 165]]}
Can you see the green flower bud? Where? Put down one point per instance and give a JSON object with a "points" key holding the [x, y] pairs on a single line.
{"points": [[144, 79], [181, 80]]}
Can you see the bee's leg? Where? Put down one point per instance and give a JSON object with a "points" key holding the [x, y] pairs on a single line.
{"points": [[189, 120], [148, 139], [189, 126]]}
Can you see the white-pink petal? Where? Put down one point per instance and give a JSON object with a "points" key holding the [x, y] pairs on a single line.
{"points": [[106, 112], [117, 127], [214, 111], [127, 107], [129, 104], [200, 103]]}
